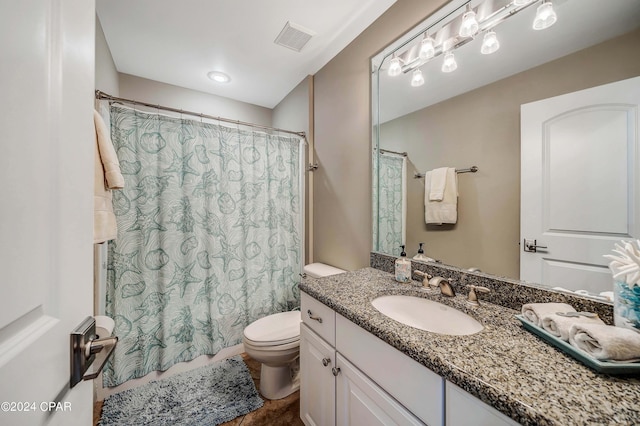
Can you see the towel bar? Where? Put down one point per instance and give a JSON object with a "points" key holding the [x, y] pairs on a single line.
{"points": [[471, 169]]}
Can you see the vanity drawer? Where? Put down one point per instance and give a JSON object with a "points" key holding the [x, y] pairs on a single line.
{"points": [[319, 317]]}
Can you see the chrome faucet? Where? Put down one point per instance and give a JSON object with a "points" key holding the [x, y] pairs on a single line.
{"points": [[444, 284]]}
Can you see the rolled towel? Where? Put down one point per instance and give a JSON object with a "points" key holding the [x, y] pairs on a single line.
{"points": [[606, 342], [534, 312], [559, 325]]}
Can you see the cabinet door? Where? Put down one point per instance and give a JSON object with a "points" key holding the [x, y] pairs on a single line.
{"points": [[410, 383], [359, 401], [317, 383], [464, 409]]}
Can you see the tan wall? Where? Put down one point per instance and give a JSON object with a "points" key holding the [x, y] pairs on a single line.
{"points": [[342, 184], [155, 92], [295, 112], [106, 72], [482, 128]]}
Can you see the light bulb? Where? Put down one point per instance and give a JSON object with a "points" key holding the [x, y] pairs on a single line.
{"points": [[427, 48], [490, 43], [545, 16], [469, 26], [417, 79], [394, 67], [219, 77], [449, 63]]}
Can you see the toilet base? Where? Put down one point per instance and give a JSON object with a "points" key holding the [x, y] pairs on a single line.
{"points": [[278, 382]]}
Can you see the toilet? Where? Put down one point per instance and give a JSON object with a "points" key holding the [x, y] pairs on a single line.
{"points": [[274, 341]]}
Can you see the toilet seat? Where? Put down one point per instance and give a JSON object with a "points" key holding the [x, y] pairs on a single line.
{"points": [[274, 330]]}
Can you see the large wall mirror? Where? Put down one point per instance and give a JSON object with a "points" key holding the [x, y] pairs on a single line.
{"points": [[553, 110]]}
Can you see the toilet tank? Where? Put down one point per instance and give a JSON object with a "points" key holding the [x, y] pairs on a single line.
{"points": [[319, 270]]}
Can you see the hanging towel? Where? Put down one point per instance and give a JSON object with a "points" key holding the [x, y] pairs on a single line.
{"points": [[606, 342], [438, 181], [445, 211], [107, 176]]}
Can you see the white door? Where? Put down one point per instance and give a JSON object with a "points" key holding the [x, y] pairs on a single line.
{"points": [[580, 184], [46, 202], [317, 383]]}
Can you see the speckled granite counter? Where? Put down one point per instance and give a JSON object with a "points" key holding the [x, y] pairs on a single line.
{"points": [[503, 365]]}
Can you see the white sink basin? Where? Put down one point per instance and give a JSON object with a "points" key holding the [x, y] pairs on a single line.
{"points": [[426, 315]]}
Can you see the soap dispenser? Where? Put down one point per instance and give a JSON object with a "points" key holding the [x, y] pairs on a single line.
{"points": [[421, 256], [403, 268]]}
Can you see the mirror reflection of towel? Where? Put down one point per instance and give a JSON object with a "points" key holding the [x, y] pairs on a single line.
{"points": [[445, 210], [438, 183]]}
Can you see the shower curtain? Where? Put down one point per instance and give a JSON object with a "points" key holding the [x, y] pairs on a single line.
{"points": [[389, 215], [209, 237]]}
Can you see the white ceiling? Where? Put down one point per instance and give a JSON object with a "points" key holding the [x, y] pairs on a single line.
{"points": [[179, 42], [580, 24]]}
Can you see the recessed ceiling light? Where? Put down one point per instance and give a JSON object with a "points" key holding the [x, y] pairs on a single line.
{"points": [[219, 77]]}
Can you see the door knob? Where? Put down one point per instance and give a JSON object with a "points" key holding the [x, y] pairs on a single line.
{"points": [[326, 361], [532, 246], [335, 371]]}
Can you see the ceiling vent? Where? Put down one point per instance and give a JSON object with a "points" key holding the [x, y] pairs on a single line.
{"points": [[293, 36]]}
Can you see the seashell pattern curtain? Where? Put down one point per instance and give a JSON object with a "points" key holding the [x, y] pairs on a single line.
{"points": [[209, 238], [389, 198]]}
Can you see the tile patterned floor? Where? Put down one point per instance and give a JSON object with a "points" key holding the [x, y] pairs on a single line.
{"points": [[281, 412]]}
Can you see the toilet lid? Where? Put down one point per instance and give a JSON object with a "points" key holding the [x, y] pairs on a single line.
{"points": [[276, 329]]}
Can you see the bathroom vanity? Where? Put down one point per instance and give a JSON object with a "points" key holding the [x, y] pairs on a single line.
{"points": [[360, 367]]}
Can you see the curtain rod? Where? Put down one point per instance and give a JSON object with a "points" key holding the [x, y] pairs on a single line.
{"points": [[102, 95]]}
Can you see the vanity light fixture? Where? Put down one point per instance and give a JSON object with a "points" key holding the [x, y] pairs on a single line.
{"points": [[219, 77], [449, 64], [462, 29], [490, 43], [417, 79], [395, 68], [469, 26], [427, 47], [545, 16]]}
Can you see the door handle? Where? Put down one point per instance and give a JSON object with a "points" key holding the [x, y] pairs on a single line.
{"points": [[88, 354], [532, 246]]}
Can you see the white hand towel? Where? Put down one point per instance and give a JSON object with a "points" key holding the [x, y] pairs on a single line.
{"points": [[534, 312], [445, 211], [559, 325], [606, 342], [438, 183]]}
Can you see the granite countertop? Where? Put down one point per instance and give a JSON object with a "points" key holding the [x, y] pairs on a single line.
{"points": [[504, 365]]}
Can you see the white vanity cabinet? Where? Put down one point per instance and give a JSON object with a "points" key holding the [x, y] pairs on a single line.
{"points": [[332, 390], [351, 377], [463, 409], [359, 401], [416, 387], [317, 382]]}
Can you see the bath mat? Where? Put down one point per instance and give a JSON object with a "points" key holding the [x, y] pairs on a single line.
{"points": [[205, 396]]}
